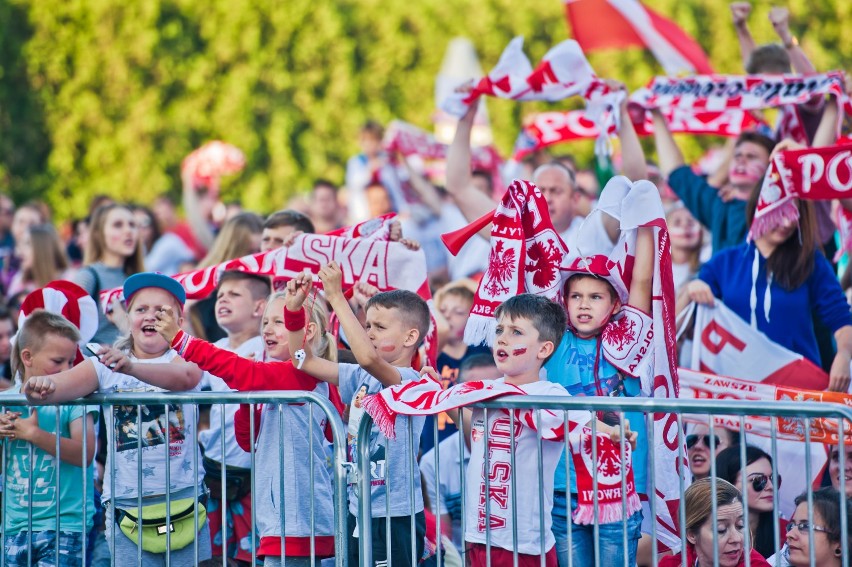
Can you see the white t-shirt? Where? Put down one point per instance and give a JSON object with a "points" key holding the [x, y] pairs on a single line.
{"points": [[123, 437], [211, 439], [529, 497], [449, 480]]}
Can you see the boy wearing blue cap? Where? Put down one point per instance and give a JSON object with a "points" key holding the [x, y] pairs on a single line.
{"points": [[143, 361]]}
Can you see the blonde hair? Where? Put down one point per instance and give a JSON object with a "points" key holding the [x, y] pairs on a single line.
{"points": [[49, 259], [698, 500], [323, 343], [34, 332], [234, 240], [96, 246]]}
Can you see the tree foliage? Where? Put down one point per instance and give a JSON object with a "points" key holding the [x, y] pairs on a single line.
{"points": [[107, 96]]}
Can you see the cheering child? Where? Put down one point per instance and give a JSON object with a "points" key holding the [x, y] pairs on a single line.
{"points": [[277, 373], [396, 323]]}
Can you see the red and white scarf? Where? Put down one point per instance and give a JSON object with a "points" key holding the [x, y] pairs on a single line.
{"points": [[562, 73], [545, 129], [426, 397], [810, 173], [526, 256], [211, 161], [723, 92]]}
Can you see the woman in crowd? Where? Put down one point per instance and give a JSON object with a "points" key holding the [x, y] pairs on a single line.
{"points": [[113, 253], [758, 474], [728, 524], [826, 541], [42, 257], [686, 241], [240, 236], [698, 450]]}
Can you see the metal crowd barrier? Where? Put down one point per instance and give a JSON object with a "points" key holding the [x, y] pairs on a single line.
{"points": [[649, 406], [109, 401]]}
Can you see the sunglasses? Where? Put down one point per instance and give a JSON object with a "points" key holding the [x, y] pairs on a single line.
{"points": [[692, 440], [760, 481]]}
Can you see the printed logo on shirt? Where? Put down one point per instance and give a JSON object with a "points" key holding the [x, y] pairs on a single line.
{"points": [[576, 357], [44, 474], [156, 421]]}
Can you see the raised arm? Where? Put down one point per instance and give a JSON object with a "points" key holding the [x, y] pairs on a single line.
{"points": [[363, 349], [668, 152], [421, 185], [839, 375], [826, 134], [177, 375], [780, 18], [633, 164], [472, 202], [740, 12], [295, 322], [641, 283]]}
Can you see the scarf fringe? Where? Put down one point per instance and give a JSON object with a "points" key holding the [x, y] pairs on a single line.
{"points": [[480, 329], [382, 415], [606, 513], [785, 210]]}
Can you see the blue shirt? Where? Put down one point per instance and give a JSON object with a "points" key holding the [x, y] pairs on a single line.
{"points": [[573, 366], [790, 319]]}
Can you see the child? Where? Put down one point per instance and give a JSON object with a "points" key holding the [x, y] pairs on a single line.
{"points": [[239, 307], [397, 321], [46, 344], [143, 361], [453, 302], [277, 373], [528, 329], [579, 365]]}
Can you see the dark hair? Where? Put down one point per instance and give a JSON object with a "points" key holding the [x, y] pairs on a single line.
{"points": [[321, 182], [478, 360], [728, 466], [258, 286], [373, 128], [547, 317], [412, 308], [585, 276], [827, 503], [769, 58], [765, 142], [289, 217], [485, 176], [792, 261]]}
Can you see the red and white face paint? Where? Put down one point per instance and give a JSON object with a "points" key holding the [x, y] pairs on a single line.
{"points": [[748, 165]]}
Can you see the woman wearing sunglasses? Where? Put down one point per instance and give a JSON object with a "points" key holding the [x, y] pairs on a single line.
{"points": [[698, 447], [825, 526], [758, 473], [727, 528]]}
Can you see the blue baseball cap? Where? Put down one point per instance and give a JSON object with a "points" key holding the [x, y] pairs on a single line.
{"points": [[153, 279]]}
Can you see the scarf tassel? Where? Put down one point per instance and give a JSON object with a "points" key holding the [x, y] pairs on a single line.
{"points": [[606, 512], [383, 416], [479, 329], [783, 211]]}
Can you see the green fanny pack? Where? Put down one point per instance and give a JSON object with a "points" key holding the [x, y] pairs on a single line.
{"points": [[153, 525]]}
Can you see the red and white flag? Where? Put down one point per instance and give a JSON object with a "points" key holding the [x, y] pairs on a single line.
{"points": [[607, 24], [725, 344]]}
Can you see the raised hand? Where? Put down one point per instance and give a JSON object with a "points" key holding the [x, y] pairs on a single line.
{"points": [[298, 290], [331, 277], [740, 11], [167, 324]]}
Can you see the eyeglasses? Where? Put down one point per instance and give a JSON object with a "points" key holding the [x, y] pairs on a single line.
{"points": [[804, 526], [692, 441], [760, 481]]}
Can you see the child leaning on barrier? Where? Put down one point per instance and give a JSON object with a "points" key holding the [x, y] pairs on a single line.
{"points": [[46, 344], [143, 362], [580, 366], [277, 373], [397, 322], [528, 330]]}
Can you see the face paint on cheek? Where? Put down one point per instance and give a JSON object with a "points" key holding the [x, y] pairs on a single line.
{"points": [[387, 348], [519, 350]]}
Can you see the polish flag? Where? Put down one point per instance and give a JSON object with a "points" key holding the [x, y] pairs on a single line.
{"points": [[608, 24]]}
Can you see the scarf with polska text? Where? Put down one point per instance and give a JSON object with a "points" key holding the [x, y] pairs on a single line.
{"points": [[808, 173], [749, 92], [371, 258], [526, 256], [562, 73], [426, 397]]}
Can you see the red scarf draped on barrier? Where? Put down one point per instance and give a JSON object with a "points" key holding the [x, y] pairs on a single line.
{"points": [[426, 397]]}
